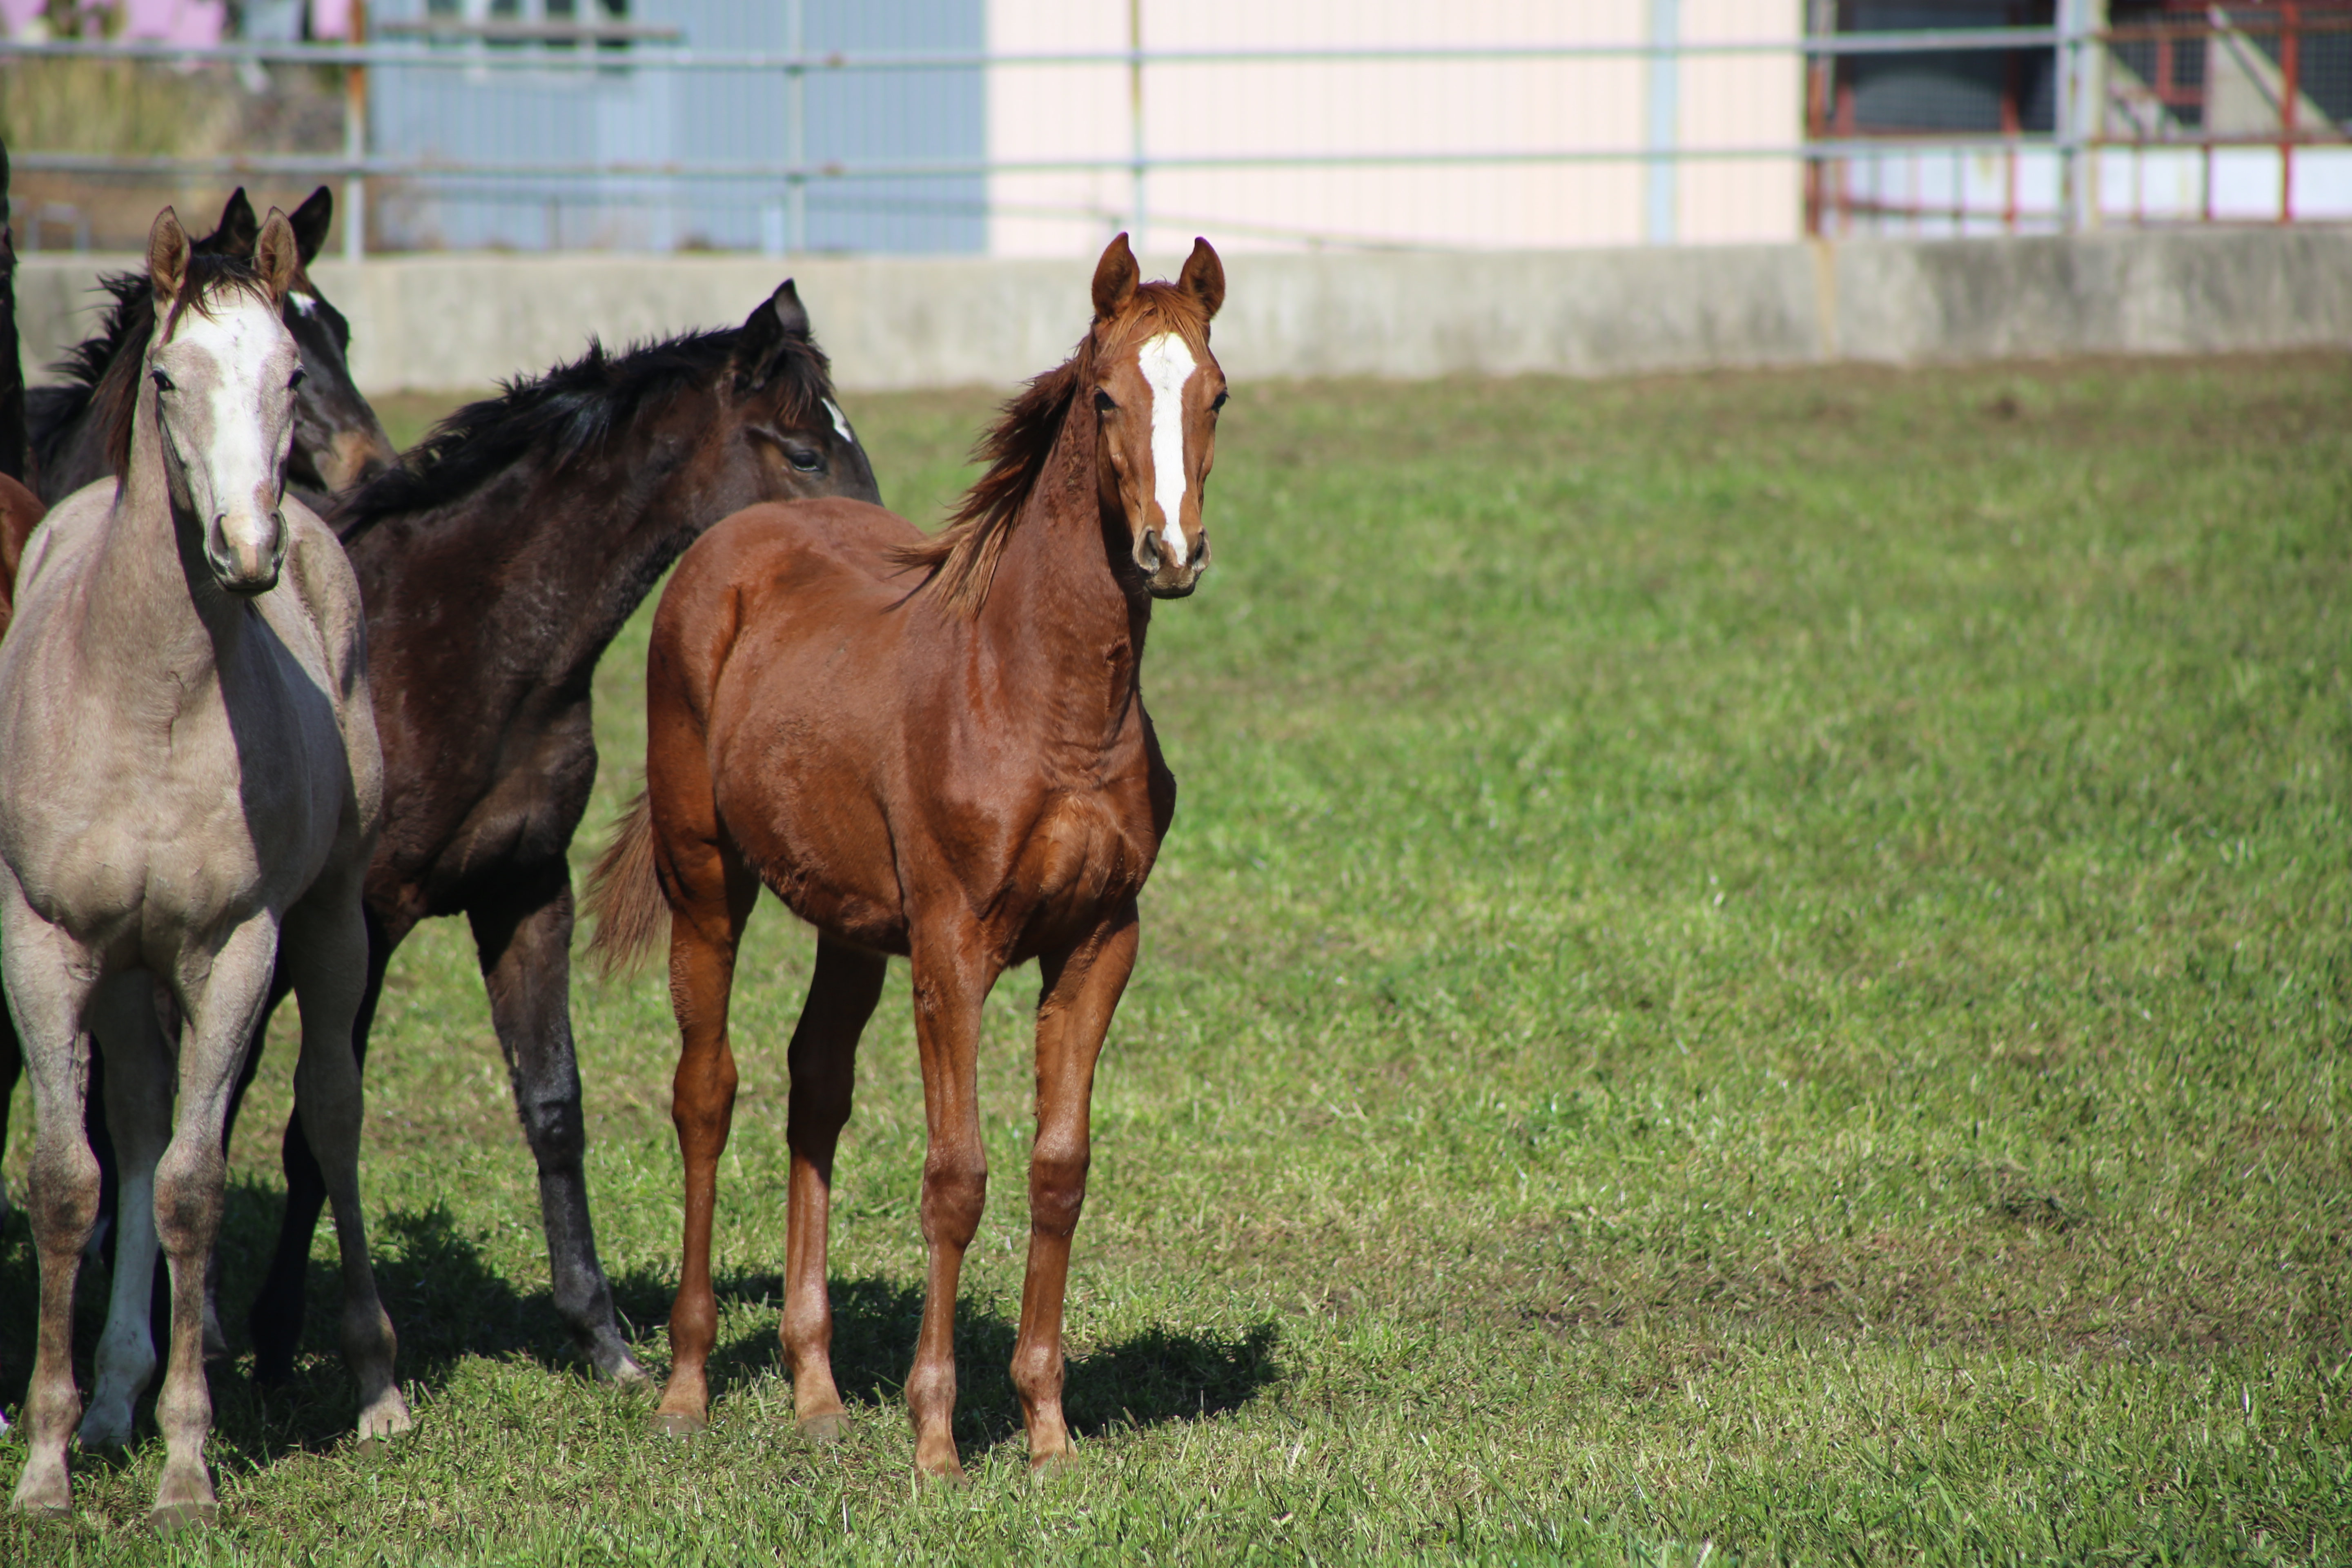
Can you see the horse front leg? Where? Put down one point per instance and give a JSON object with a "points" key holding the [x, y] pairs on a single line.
{"points": [[1078, 991], [221, 1001], [951, 980], [327, 959], [48, 992], [823, 1060], [523, 938]]}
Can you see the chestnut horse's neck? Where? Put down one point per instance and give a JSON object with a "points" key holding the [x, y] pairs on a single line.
{"points": [[1060, 612]]}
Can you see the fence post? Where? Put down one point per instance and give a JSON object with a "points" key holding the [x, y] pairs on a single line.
{"points": [[796, 128], [2082, 109], [355, 145], [1134, 109], [1665, 110]]}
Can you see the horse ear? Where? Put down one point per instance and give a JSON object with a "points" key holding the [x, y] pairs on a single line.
{"points": [[311, 221], [1203, 276], [277, 257], [167, 257], [237, 228], [1116, 276], [779, 316], [791, 314]]}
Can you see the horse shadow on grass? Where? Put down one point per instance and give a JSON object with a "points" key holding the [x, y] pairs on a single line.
{"points": [[1150, 1378], [449, 1303]]}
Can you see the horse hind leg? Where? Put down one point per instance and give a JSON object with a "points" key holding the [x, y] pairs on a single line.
{"points": [[524, 941], [138, 1110], [326, 954], [275, 1321], [824, 1061], [711, 892], [1080, 991], [48, 992]]}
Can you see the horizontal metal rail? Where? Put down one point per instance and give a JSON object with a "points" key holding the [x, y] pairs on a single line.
{"points": [[1910, 41], [954, 168]]}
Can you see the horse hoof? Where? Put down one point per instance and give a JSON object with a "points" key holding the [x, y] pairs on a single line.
{"points": [[626, 1374], [677, 1424], [1054, 1467], [95, 1434], [947, 1472], [830, 1428], [171, 1517]]}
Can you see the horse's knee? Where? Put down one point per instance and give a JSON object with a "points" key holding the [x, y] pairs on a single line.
{"points": [[188, 1194], [62, 1200], [955, 1191], [1057, 1188]]}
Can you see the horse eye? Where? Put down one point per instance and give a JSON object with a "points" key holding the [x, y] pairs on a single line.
{"points": [[1103, 405], [162, 382], [298, 373], [1220, 403], [806, 460]]}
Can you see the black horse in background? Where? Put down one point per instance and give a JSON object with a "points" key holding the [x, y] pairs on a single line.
{"points": [[496, 565], [12, 366], [79, 429]]}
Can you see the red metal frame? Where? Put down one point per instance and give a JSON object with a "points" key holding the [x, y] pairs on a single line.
{"points": [[1831, 205]]}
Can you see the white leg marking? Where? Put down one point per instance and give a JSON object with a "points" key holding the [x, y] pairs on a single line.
{"points": [[841, 421], [126, 1350], [1167, 364]]}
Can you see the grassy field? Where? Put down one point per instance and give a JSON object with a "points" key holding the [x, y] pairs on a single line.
{"points": [[1749, 967]]}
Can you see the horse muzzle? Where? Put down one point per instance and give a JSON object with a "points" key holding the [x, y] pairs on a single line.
{"points": [[1166, 579], [245, 561]]}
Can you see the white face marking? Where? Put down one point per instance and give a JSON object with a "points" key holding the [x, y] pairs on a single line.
{"points": [[230, 418], [840, 421], [1167, 364], [302, 302]]}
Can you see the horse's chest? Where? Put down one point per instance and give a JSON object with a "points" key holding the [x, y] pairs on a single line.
{"points": [[1086, 855]]}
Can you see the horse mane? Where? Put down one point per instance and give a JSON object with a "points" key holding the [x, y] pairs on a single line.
{"points": [[571, 409], [102, 371], [128, 320], [961, 558]]}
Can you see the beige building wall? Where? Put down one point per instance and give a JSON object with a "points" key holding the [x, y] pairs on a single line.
{"points": [[1349, 109]]}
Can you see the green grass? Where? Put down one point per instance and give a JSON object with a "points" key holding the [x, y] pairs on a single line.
{"points": [[1749, 966]]}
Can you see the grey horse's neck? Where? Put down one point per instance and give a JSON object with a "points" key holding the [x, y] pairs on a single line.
{"points": [[153, 598]]}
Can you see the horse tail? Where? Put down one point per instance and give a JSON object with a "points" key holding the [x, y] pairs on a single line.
{"points": [[624, 893]]}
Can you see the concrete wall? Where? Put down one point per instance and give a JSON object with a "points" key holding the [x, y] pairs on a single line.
{"points": [[460, 322]]}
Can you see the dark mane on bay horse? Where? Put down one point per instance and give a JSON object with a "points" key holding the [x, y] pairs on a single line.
{"points": [[572, 409]]}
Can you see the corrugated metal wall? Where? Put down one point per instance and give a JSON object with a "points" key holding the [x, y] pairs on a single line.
{"points": [[630, 111]]}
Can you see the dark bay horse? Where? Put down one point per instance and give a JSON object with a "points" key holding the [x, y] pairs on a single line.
{"points": [[79, 430], [956, 767], [497, 565]]}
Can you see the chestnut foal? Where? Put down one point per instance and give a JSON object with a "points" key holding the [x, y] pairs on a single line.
{"points": [[956, 767]]}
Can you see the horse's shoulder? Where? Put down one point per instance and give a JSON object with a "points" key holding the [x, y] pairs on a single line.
{"points": [[322, 577]]}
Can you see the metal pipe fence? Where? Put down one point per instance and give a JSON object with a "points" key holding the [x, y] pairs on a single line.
{"points": [[444, 131]]}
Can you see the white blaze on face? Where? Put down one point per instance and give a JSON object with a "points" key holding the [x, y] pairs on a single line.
{"points": [[230, 417], [302, 302], [1167, 364], [840, 421]]}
